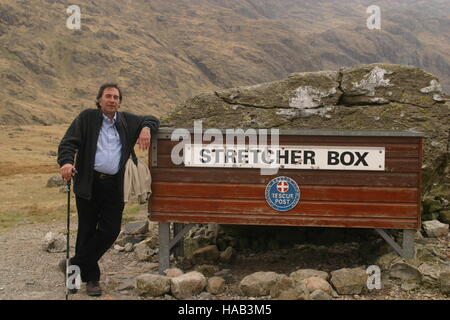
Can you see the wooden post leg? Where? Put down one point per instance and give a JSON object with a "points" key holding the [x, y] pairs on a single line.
{"points": [[164, 246], [408, 243]]}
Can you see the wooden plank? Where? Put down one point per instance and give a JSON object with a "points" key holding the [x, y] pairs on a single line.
{"points": [[319, 208], [313, 177], [419, 198], [308, 192], [337, 221]]}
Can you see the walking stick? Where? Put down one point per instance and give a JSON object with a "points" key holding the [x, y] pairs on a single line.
{"points": [[68, 238]]}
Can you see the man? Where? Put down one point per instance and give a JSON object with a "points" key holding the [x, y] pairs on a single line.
{"points": [[102, 140]]}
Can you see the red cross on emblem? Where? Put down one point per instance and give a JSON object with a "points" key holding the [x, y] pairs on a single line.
{"points": [[282, 186]]}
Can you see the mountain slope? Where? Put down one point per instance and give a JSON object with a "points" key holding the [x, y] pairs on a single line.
{"points": [[163, 52]]}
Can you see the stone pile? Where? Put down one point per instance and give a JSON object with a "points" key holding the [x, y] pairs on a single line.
{"points": [[135, 238]]}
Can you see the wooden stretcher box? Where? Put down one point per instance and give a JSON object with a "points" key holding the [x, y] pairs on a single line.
{"points": [[387, 197]]}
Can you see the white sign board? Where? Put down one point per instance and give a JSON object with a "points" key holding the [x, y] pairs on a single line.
{"points": [[285, 157]]}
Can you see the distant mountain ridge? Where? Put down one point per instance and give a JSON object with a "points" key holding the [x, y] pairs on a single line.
{"points": [[163, 52]]}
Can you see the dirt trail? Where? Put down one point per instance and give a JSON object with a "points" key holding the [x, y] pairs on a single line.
{"points": [[27, 272]]}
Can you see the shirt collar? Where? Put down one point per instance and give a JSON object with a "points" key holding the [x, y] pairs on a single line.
{"points": [[105, 118]]}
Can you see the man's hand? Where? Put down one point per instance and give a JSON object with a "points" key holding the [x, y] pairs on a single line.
{"points": [[144, 139], [67, 171]]}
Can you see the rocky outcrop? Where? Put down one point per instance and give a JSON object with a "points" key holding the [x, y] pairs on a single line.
{"points": [[374, 96]]}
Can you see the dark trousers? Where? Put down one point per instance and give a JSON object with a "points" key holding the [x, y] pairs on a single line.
{"points": [[99, 221]]}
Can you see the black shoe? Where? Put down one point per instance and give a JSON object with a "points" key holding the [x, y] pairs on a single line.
{"points": [[93, 289], [62, 265]]}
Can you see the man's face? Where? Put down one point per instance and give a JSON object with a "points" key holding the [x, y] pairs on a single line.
{"points": [[109, 102]]}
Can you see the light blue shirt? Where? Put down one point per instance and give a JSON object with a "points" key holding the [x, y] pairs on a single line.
{"points": [[109, 147]]}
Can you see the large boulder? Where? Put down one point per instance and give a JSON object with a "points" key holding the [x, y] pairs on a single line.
{"points": [[374, 96]]}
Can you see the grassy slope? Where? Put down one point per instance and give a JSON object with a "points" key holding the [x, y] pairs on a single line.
{"points": [[163, 52]]}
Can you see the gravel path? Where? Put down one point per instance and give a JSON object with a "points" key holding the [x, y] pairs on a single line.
{"points": [[27, 272]]}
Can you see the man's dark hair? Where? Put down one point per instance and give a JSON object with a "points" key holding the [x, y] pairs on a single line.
{"points": [[102, 88]]}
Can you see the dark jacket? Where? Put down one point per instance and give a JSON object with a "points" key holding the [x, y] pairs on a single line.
{"points": [[81, 139]]}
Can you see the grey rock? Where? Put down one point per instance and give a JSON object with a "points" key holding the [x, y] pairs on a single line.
{"points": [[142, 252], [286, 288], [258, 283], [207, 270], [187, 285], [152, 285], [136, 227], [316, 283], [320, 295], [123, 239], [173, 272], [205, 296], [54, 242], [52, 153], [405, 271], [408, 286], [128, 247], [55, 181], [430, 274], [303, 274], [444, 282], [215, 285], [435, 229], [349, 281], [126, 285], [386, 260]]}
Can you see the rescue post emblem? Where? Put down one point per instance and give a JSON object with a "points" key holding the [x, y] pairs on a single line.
{"points": [[282, 193]]}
